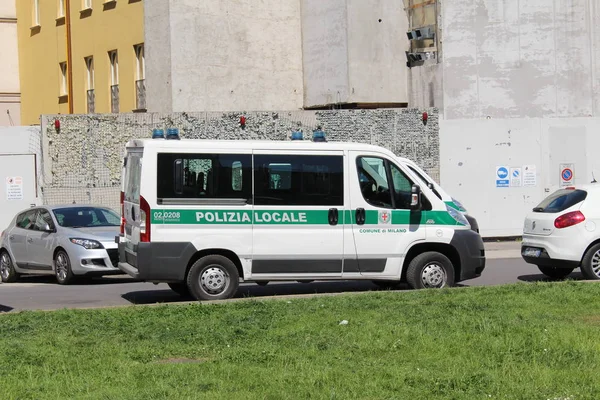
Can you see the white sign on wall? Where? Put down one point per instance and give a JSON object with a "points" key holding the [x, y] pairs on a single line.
{"points": [[529, 175], [14, 188], [516, 177], [567, 174]]}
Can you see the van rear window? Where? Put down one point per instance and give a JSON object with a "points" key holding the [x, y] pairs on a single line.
{"points": [[560, 201], [133, 177]]}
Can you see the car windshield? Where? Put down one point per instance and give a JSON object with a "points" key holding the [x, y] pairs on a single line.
{"points": [[560, 201], [86, 217]]}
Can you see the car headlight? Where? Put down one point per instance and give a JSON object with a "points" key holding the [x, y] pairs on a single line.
{"points": [[459, 204], [87, 243], [458, 216]]}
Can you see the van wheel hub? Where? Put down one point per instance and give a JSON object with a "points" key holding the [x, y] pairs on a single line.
{"points": [[433, 276], [214, 280]]}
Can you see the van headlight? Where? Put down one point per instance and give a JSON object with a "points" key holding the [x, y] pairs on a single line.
{"points": [[87, 243], [459, 205], [458, 216]]}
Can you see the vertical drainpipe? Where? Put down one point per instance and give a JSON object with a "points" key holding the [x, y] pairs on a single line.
{"points": [[69, 55]]}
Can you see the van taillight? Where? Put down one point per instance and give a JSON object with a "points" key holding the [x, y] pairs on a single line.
{"points": [[145, 226], [122, 213], [569, 219]]}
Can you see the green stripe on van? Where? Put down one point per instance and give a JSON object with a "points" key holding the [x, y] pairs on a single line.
{"points": [[298, 217]]}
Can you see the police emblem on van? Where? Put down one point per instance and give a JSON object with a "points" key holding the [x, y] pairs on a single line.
{"points": [[385, 217]]}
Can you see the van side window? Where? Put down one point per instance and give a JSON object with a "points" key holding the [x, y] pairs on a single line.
{"points": [[209, 176], [298, 180], [373, 181], [383, 188]]}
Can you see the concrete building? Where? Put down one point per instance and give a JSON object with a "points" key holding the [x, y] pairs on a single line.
{"points": [[10, 93], [517, 84], [512, 59], [232, 55], [80, 56]]}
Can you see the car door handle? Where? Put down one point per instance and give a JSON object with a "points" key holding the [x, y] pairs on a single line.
{"points": [[29, 240], [11, 237], [333, 216], [360, 216]]}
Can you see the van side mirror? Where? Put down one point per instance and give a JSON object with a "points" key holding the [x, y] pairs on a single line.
{"points": [[415, 198]]}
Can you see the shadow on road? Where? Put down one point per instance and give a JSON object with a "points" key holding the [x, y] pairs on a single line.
{"points": [[79, 281], [576, 276], [253, 290], [4, 308]]}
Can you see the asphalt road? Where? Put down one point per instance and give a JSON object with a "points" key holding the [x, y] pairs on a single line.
{"points": [[42, 293]]}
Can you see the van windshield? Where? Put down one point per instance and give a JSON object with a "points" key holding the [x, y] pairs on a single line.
{"points": [[133, 177]]}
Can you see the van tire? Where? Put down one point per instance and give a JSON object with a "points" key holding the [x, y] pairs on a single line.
{"points": [[430, 270], [556, 273], [213, 277], [587, 266], [180, 288]]}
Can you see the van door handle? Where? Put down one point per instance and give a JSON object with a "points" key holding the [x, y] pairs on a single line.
{"points": [[333, 216], [360, 216]]}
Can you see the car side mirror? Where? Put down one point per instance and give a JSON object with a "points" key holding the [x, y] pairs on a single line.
{"points": [[46, 228], [415, 198]]}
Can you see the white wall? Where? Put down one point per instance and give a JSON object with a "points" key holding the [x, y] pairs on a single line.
{"points": [[513, 59], [471, 149]]}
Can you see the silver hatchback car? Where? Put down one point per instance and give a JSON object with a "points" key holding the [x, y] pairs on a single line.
{"points": [[64, 241]]}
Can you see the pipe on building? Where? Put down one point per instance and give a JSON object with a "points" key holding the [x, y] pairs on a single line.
{"points": [[69, 54]]}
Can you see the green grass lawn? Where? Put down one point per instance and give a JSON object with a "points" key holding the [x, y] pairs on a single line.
{"points": [[525, 341]]}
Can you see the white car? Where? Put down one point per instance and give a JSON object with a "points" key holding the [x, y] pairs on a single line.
{"points": [[563, 233]]}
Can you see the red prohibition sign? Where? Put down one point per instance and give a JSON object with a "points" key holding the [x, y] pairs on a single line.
{"points": [[567, 174]]}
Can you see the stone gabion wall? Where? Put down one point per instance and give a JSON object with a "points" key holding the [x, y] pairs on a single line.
{"points": [[82, 161]]}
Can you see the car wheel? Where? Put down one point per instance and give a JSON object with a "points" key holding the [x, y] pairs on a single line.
{"points": [[213, 277], [62, 268], [555, 273], [430, 270], [180, 288], [590, 266], [7, 268]]}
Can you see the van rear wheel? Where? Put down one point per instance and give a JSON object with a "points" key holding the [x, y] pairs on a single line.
{"points": [[213, 277], [430, 270]]}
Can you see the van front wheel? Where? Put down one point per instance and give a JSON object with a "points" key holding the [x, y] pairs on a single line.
{"points": [[213, 277], [430, 270]]}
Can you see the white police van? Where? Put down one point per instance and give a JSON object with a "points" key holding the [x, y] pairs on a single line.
{"points": [[204, 216]]}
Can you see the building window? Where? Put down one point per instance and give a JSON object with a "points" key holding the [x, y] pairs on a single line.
{"points": [[90, 94], [204, 176], [140, 77], [63, 78], [87, 5], [423, 31], [36, 13], [298, 180], [113, 58], [61, 8]]}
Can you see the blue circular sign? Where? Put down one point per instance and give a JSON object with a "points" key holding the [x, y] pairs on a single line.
{"points": [[502, 173], [567, 174]]}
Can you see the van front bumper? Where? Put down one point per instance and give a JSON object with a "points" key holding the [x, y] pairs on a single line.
{"points": [[471, 251]]}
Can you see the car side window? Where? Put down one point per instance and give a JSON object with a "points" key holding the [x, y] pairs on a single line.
{"points": [[42, 219], [27, 221]]}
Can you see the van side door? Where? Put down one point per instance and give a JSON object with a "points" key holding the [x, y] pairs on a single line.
{"points": [[298, 225], [383, 225]]}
